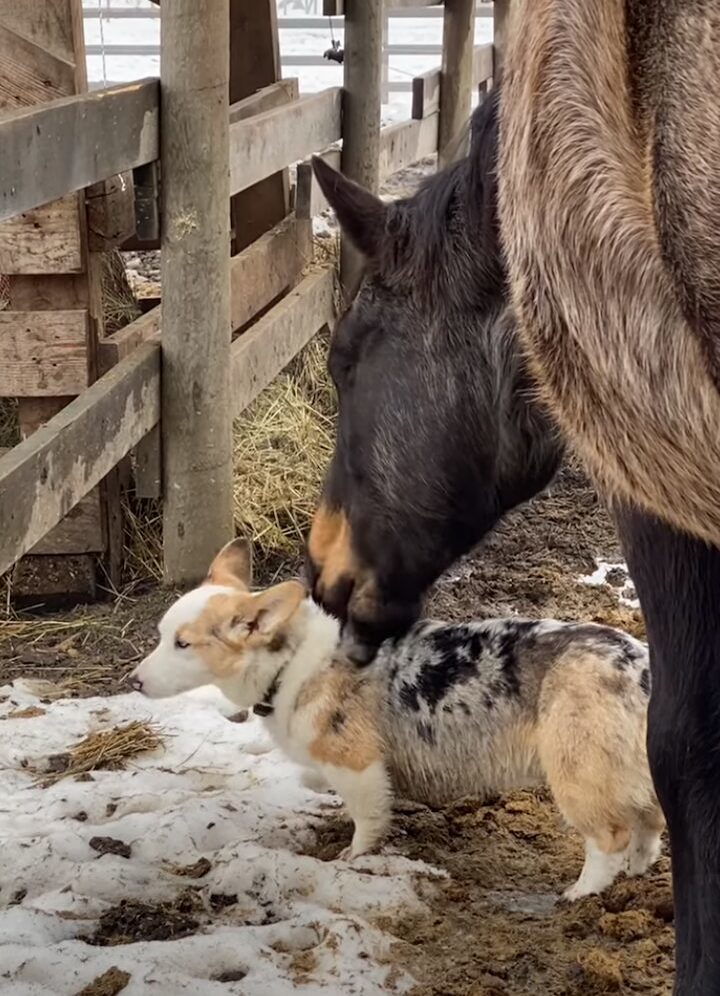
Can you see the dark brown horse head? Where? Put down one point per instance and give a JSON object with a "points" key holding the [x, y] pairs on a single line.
{"points": [[437, 435]]}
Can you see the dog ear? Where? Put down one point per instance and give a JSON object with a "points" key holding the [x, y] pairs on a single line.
{"points": [[233, 565], [269, 612]]}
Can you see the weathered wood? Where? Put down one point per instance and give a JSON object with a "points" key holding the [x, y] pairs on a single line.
{"points": [[457, 75], [31, 74], [407, 142], [426, 94], [196, 399], [148, 465], [44, 240], [266, 143], [70, 143], [264, 350], [333, 8], [81, 531], [43, 477], [147, 203], [110, 212], [255, 63], [267, 268], [258, 275], [501, 17], [483, 64], [44, 24], [43, 353], [267, 98], [362, 106]]}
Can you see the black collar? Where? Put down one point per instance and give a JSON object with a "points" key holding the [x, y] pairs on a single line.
{"points": [[266, 706]]}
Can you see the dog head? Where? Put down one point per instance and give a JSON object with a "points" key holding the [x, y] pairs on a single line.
{"points": [[220, 631]]}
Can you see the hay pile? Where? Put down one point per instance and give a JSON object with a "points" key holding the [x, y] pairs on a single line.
{"points": [[108, 750]]}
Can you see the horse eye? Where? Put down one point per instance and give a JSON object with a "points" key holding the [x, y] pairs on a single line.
{"points": [[181, 644]]}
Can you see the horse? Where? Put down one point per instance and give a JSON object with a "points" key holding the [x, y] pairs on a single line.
{"points": [[609, 202], [438, 432]]}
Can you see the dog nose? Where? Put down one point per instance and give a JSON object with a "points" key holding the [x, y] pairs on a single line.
{"points": [[133, 683]]}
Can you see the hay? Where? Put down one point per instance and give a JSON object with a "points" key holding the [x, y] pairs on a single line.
{"points": [[108, 750]]}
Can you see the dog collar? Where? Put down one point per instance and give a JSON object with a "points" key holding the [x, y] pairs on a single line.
{"points": [[266, 706]]}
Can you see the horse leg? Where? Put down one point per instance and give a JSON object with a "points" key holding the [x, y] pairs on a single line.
{"points": [[678, 582]]}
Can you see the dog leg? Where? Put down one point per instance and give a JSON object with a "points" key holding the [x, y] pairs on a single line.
{"points": [[600, 870], [367, 795]]}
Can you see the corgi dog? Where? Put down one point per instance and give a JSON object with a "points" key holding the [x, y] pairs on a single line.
{"points": [[447, 711]]}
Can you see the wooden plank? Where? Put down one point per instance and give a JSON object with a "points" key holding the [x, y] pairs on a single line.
{"points": [[110, 212], [258, 275], [195, 227], [146, 186], [457, 75], [30, 74], [362, 106], [44, 24], [255, 63], [43, 353], [406, 143], [43, 240], [501, 18], [267, 98], [148, 465], [81, 531], [483, 64], [266, 143], [43, 477], [264, 350], [426, 94], [57, 148], [333, 8]]}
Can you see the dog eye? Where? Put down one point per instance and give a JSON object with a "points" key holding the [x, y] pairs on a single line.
{"points": [[181, 644]]}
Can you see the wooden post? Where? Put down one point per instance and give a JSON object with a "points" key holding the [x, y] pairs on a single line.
{"points": [[457, 75], [362, 106], [254, 64], [196, 409], [501, 11]]}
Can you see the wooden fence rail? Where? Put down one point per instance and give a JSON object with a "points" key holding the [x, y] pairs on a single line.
{"points": [[68, 144]]}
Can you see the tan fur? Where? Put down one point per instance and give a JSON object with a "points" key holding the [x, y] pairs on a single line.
{"points": [[347, 734], [609, 201], [330, 547], [232, 566], [592, 750]]}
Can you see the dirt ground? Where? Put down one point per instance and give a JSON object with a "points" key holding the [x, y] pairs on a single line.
{"points": [[496, 927]]}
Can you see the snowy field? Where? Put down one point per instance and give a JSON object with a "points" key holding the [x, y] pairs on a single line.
{"points": [[107, 32], [216, 826]]}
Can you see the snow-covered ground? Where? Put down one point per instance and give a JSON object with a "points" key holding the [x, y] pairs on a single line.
{"points": [[216, 791], [108, 31]]}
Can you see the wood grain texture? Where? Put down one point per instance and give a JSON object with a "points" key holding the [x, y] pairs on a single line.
{"points": [[43, 353], [43, 477], [457, 75], [196, 399], [43, 241], [57, 148]]}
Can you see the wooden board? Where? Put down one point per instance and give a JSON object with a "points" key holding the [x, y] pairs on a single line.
{"points": [[43, 23], [43, 353], [426, 94], [255, 64], [257, 276], [44, 240], [43, 477], [57, 148], [266, 143], [81, 531], [267, 98], [264, 350], [30, 74], [483, 64]]}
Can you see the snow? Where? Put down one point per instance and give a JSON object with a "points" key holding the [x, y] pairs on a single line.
{"points": [[217, 790], [625, 592], [304, 42]]}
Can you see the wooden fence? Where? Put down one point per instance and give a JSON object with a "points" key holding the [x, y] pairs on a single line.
{"points": [[170, 382]]}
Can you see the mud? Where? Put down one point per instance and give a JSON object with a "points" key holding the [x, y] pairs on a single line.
{"points": [[496, 927]]}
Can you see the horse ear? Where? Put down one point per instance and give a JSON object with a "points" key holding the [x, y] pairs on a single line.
{"points": [[362, 215]]}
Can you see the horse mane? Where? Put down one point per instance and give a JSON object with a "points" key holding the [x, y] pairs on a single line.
{"points": [[454, 209]]}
